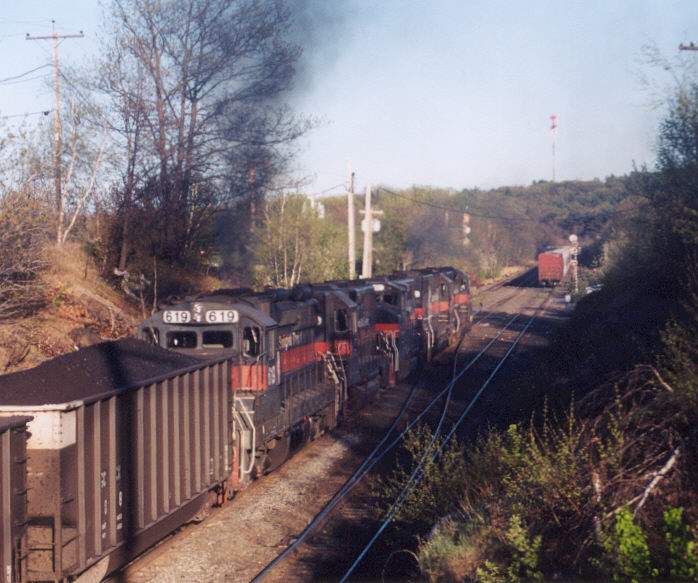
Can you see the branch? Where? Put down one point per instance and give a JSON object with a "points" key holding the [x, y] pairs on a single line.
{"points": [[662, 382], [660, 474], [87, 191], [666, 468]]}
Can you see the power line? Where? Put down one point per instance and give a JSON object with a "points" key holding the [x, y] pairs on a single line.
{"points": [[501, 217], [457, 210], [330, 189], [27, 80], [44, 112], [25, 73]]}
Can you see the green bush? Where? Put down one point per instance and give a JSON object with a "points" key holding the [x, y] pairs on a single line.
{"points": [[627, 550], [521, 562], [682, 546]]}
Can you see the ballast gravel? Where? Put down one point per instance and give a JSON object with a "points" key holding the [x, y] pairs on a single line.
{"points": [[236, 541]]}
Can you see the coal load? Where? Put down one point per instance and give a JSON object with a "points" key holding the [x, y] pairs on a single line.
{"points": [[91, 371]]}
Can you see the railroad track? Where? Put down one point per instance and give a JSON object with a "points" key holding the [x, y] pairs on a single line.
{"points": [[394, 437]]}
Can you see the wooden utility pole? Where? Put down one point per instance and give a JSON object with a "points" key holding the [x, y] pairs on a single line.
{"points": [[57, 129], [367, 262], [351, 219], [367, 226]]}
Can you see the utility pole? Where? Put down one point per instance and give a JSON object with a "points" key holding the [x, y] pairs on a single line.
{"points": [[553, 133], [466, 229], [351, 218], [368, 225], [57, 130], [575, 262]]}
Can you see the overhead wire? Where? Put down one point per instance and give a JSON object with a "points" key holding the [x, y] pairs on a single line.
{"points": [[495, 217], [14, 77], [43, 112]]}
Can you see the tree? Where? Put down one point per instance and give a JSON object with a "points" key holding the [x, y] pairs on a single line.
{"points": [[190, 91], [293, 244]]}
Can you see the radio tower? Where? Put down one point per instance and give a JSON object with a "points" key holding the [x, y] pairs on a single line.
{"points": [[553, 133]]}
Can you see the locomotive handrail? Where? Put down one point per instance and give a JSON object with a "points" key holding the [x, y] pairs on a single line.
{"points": [[254, 437]]}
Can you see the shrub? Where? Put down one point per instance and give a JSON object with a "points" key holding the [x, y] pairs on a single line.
{"points": [[438, 491], [521, 560], [627, 550], [24, 235], [682, 546]]}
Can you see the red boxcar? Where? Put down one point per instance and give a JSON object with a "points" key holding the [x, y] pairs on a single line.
{"points": [[553, 265]]}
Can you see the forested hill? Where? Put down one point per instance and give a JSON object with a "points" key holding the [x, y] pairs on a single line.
{"points": [[507, 225]]}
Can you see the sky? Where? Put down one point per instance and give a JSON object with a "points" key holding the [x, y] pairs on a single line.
{"points": [[446, 93]]}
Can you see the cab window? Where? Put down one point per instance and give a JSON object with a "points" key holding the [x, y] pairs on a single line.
{"points": [[217, 339], [392, 299], [181, 340], [341, 321], [251, 341]]}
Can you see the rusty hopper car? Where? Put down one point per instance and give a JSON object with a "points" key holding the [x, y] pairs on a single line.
{"points": [[13, 497], [553, 266], [127, 442]]}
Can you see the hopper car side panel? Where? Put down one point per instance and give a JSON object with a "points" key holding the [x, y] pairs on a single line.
{"points": [[110, 477], [13, 498]]}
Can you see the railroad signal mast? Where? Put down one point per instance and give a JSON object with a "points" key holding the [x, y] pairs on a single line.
{"points": [[553, 135], [351, 217]]}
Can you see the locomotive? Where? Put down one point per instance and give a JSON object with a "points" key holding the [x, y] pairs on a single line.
{"points": [[302, 359]]}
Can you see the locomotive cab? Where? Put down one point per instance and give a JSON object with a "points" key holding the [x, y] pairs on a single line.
{"points": [[396, 326]]}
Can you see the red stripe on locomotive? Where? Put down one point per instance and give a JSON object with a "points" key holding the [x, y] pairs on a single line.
{"points": [[438, 307], [342, 347], [388, 327], [461, 298], [249, 377]]}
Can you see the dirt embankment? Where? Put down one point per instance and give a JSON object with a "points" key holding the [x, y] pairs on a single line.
{"points": [[79, 309]]}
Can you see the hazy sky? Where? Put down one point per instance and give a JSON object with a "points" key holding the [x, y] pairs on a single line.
{"points": [[447, 93]]}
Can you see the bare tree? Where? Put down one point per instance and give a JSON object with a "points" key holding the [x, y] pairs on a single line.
{"points": [[192, 89]]}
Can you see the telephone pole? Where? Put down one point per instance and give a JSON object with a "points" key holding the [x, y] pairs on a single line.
{"points": [[351, 217], [553, 134], [368, 225], [57, 130]]}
